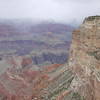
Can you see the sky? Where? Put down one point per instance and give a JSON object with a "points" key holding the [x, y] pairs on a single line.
{"points": [[64, 11]]}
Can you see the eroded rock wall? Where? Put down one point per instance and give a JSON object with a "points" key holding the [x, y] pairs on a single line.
{"points": [[85, 59]]}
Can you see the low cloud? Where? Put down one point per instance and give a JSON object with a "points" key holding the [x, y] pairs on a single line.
{"points": [[57, 10]]}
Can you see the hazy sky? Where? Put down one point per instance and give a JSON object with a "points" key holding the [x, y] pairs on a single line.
{"points": [[58, 10]]}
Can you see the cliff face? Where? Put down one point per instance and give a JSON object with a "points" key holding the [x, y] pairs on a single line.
{"points": [[84, 59]]}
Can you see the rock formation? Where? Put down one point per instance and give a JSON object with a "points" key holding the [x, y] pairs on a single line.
{"points": [[84, 59], [79, 79]]}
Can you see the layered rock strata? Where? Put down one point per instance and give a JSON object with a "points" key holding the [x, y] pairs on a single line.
{"points": [[84, 59]]}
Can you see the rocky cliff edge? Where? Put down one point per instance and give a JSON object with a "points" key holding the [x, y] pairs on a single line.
{"points": [[84, 59]]}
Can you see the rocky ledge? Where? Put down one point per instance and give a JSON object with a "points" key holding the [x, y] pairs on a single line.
{"points": [[84, 59]]}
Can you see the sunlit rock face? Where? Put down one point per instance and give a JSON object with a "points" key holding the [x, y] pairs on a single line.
{"points": [[84, 59]]}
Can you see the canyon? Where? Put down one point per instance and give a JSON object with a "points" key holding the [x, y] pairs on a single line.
{"points": [[78, 78], [29, 56], [45, 42]]}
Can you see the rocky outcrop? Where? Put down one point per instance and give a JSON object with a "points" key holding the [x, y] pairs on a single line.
{"points": [[84, 59]]}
